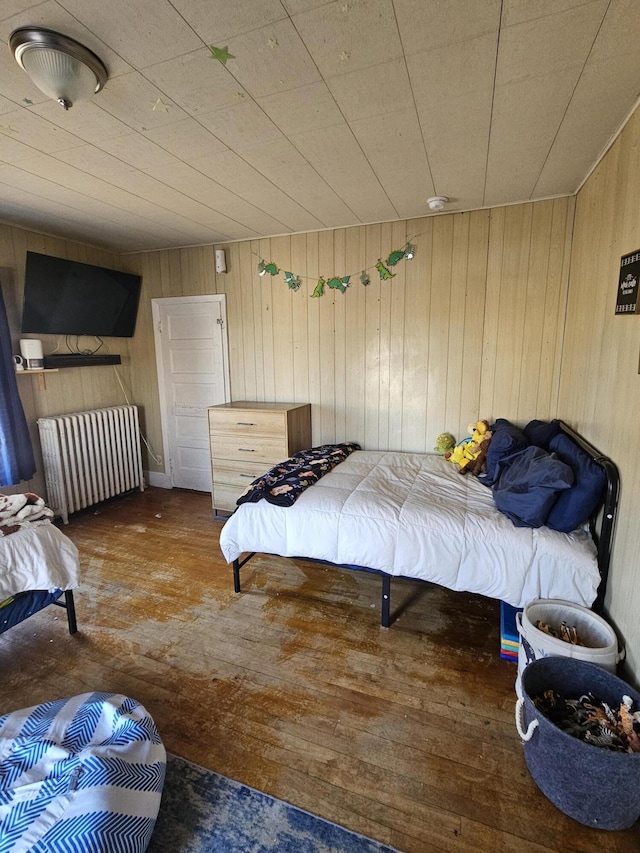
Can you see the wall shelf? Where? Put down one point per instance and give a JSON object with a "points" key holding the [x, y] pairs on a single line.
{"points": [[40, 373], [59, 360]]}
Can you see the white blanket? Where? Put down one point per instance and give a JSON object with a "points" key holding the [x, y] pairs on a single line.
{"points": [[40, 557], [414, 515]]}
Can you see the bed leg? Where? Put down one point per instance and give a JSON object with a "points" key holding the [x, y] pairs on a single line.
{"points": [[236, 576], [385, 609], [71, 611]]}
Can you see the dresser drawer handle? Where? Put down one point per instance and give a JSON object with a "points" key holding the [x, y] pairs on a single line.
{"points": [[244, 423], [246, 449], [248, 476]]}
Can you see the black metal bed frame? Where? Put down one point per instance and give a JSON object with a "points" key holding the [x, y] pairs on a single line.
{"points": [[601, 524], [68, 604]]}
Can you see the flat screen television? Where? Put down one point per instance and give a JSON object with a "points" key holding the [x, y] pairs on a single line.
{"points": [[64, 297]]}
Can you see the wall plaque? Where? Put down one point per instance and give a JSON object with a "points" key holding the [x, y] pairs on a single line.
{"points": [[627, 299]]}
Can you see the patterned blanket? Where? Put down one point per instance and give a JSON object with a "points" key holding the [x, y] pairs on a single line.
{"points": [[283, 484], [18, 512]]}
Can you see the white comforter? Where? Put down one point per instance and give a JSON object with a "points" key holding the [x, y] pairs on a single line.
{"points": [[414, 515], [38, 558]]}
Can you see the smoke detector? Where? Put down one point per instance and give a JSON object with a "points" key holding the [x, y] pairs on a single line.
{"points": [[437, 202]]}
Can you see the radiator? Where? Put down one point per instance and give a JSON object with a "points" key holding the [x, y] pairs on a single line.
{"points": [[90, 456]]}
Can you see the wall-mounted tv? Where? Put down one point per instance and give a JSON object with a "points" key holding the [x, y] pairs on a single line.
{"points": [[69, 298]]}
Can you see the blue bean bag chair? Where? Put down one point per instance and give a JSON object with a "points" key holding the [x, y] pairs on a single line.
{"points": [[83, 774]]}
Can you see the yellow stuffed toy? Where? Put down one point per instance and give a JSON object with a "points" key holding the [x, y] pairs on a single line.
{"points": [[457, 454], [469, 449], [479, 442]]}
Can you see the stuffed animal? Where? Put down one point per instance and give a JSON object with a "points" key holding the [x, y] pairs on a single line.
{"points": [[479, 464], [469, 449], [472, 449], [457, 454], [445, 443]]}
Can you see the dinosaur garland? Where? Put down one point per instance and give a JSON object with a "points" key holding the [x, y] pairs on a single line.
{"points": [[341, 283]]}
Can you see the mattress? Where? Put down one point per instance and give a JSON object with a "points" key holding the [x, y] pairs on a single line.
{"points": [[38, 558], [414, 515]]}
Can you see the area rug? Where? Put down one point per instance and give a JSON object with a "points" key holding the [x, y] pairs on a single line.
{"points": [[203, 812]]}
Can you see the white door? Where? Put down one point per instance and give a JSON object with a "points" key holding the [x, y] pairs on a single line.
{"points": [[193, 373]]}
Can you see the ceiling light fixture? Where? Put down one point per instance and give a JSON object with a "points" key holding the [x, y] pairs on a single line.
{"points": [[59, 66], [437, 202]]}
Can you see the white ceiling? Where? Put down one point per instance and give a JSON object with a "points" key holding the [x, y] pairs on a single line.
{"points": [[330, 114]]}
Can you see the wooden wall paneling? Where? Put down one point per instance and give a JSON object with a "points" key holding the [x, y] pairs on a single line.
{"points": [[589, 299], [355, 308], [71, 391], [535, 291], [372, 344], [474, 323], [190, 283], [299, 321], [575, 389], [454, 406], [599, 381], [90, 379], [399, 238], [386, 291], [12, 265], [601, 297], [259, 283], [230, 284], [247, 389], [268, 285], [54, 246], [416, 337], [439, 324], [155, 268], [554, 309], [340, 334], [623, 182], [170, 274], [491, 311], [615, 397], [187, 283], [515, 262], [191, 271], [208, 270], [327, 341], [313, 334], [282, 319]]}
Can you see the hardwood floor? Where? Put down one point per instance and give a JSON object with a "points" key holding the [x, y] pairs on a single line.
{"points": [[404, 734]]}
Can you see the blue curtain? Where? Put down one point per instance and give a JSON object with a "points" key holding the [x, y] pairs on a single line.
{"points": [[16, 453]]}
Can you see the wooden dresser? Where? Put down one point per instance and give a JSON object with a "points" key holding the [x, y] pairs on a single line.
{"points": [[246, 439]]}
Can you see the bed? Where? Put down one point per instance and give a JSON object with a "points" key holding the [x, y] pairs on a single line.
{"points": [[39, 566], [415, 516]]}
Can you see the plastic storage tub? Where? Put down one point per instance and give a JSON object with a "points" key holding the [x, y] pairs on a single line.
{"points": [[601, 642]]}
